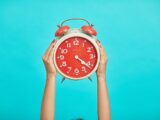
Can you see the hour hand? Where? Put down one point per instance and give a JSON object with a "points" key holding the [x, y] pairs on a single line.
{"points": [[86, 65], [82, 61]]}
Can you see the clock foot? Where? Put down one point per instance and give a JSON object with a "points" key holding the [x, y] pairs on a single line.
{"points": [[63, 79], [90, 79]]}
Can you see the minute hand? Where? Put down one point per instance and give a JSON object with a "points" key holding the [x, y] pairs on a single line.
{"points": [[82, 61]]}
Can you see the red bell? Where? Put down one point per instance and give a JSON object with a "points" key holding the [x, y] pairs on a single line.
{"points": [[61, 31], [89, 30]]}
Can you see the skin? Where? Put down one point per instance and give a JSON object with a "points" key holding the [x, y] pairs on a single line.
{"points": [[103, 99], [48, 102]]}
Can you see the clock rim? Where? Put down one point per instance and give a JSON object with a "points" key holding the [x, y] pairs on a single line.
{"points": [[92, 40]]}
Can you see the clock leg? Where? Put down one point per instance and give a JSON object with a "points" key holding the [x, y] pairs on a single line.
{"points": [[90, 79], [63, 79]]}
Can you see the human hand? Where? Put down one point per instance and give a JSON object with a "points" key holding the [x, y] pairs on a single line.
{"points": [[101, 70], [48, 60]]}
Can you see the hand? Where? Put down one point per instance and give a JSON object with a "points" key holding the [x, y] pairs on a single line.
{"points": [[48, 61], [101, 70]]}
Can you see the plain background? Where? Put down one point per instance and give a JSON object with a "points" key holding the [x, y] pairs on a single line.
{"points": [[130, 33]]}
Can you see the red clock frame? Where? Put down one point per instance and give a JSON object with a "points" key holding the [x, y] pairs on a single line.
{"points": [[76, 55]]}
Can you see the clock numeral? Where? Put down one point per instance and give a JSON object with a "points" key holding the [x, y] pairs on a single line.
{"points": [[68, 45], [69, 69], [64, 51], [61, 57], [89, 63], [84, 69], [83, 43], [91, 56], [89, 49], [76, 71], [64, 64], [76, 42]]}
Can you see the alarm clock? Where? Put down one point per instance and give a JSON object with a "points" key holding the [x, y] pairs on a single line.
{"points": [[76, 54]]}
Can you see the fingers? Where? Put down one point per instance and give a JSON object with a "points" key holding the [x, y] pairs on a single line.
{"points": [[45, 56], [50, 56], [103, 54], [102, 51]]}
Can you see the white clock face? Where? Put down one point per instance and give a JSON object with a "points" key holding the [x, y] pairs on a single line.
{"points": [[76, 57]]}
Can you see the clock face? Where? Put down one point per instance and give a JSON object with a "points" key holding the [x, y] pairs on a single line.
{"points": [[76, 57]]}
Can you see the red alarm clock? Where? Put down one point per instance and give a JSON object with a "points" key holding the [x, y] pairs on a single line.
{"points": [[76, 54]]}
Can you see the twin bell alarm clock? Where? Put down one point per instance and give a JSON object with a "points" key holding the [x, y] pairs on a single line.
{"points": [[76, 53]]}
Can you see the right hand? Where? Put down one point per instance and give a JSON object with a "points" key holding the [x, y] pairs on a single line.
{"points": [[101, 70], [48, 60]]}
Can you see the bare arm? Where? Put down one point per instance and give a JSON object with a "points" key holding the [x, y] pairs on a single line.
{"points": [[48, 103], [103, 99]]}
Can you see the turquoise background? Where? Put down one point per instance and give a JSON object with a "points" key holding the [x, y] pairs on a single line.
{"points": [[130, 33]]}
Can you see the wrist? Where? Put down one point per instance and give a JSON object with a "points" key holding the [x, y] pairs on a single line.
{"points": [[101, 77], [51, 76]]}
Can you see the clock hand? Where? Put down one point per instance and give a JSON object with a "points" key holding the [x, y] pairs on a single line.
{"points": [[76, 57], [82, 61]]}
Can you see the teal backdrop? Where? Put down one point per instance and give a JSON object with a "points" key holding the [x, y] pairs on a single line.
{"points": [[129, 32]]}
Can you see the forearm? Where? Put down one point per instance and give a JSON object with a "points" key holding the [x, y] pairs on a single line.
{"points": [[47, 109], [103, 99]]}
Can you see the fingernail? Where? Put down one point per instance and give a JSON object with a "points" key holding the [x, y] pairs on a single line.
{"points": [[100, 44], [98, 41], [54, 41]]}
